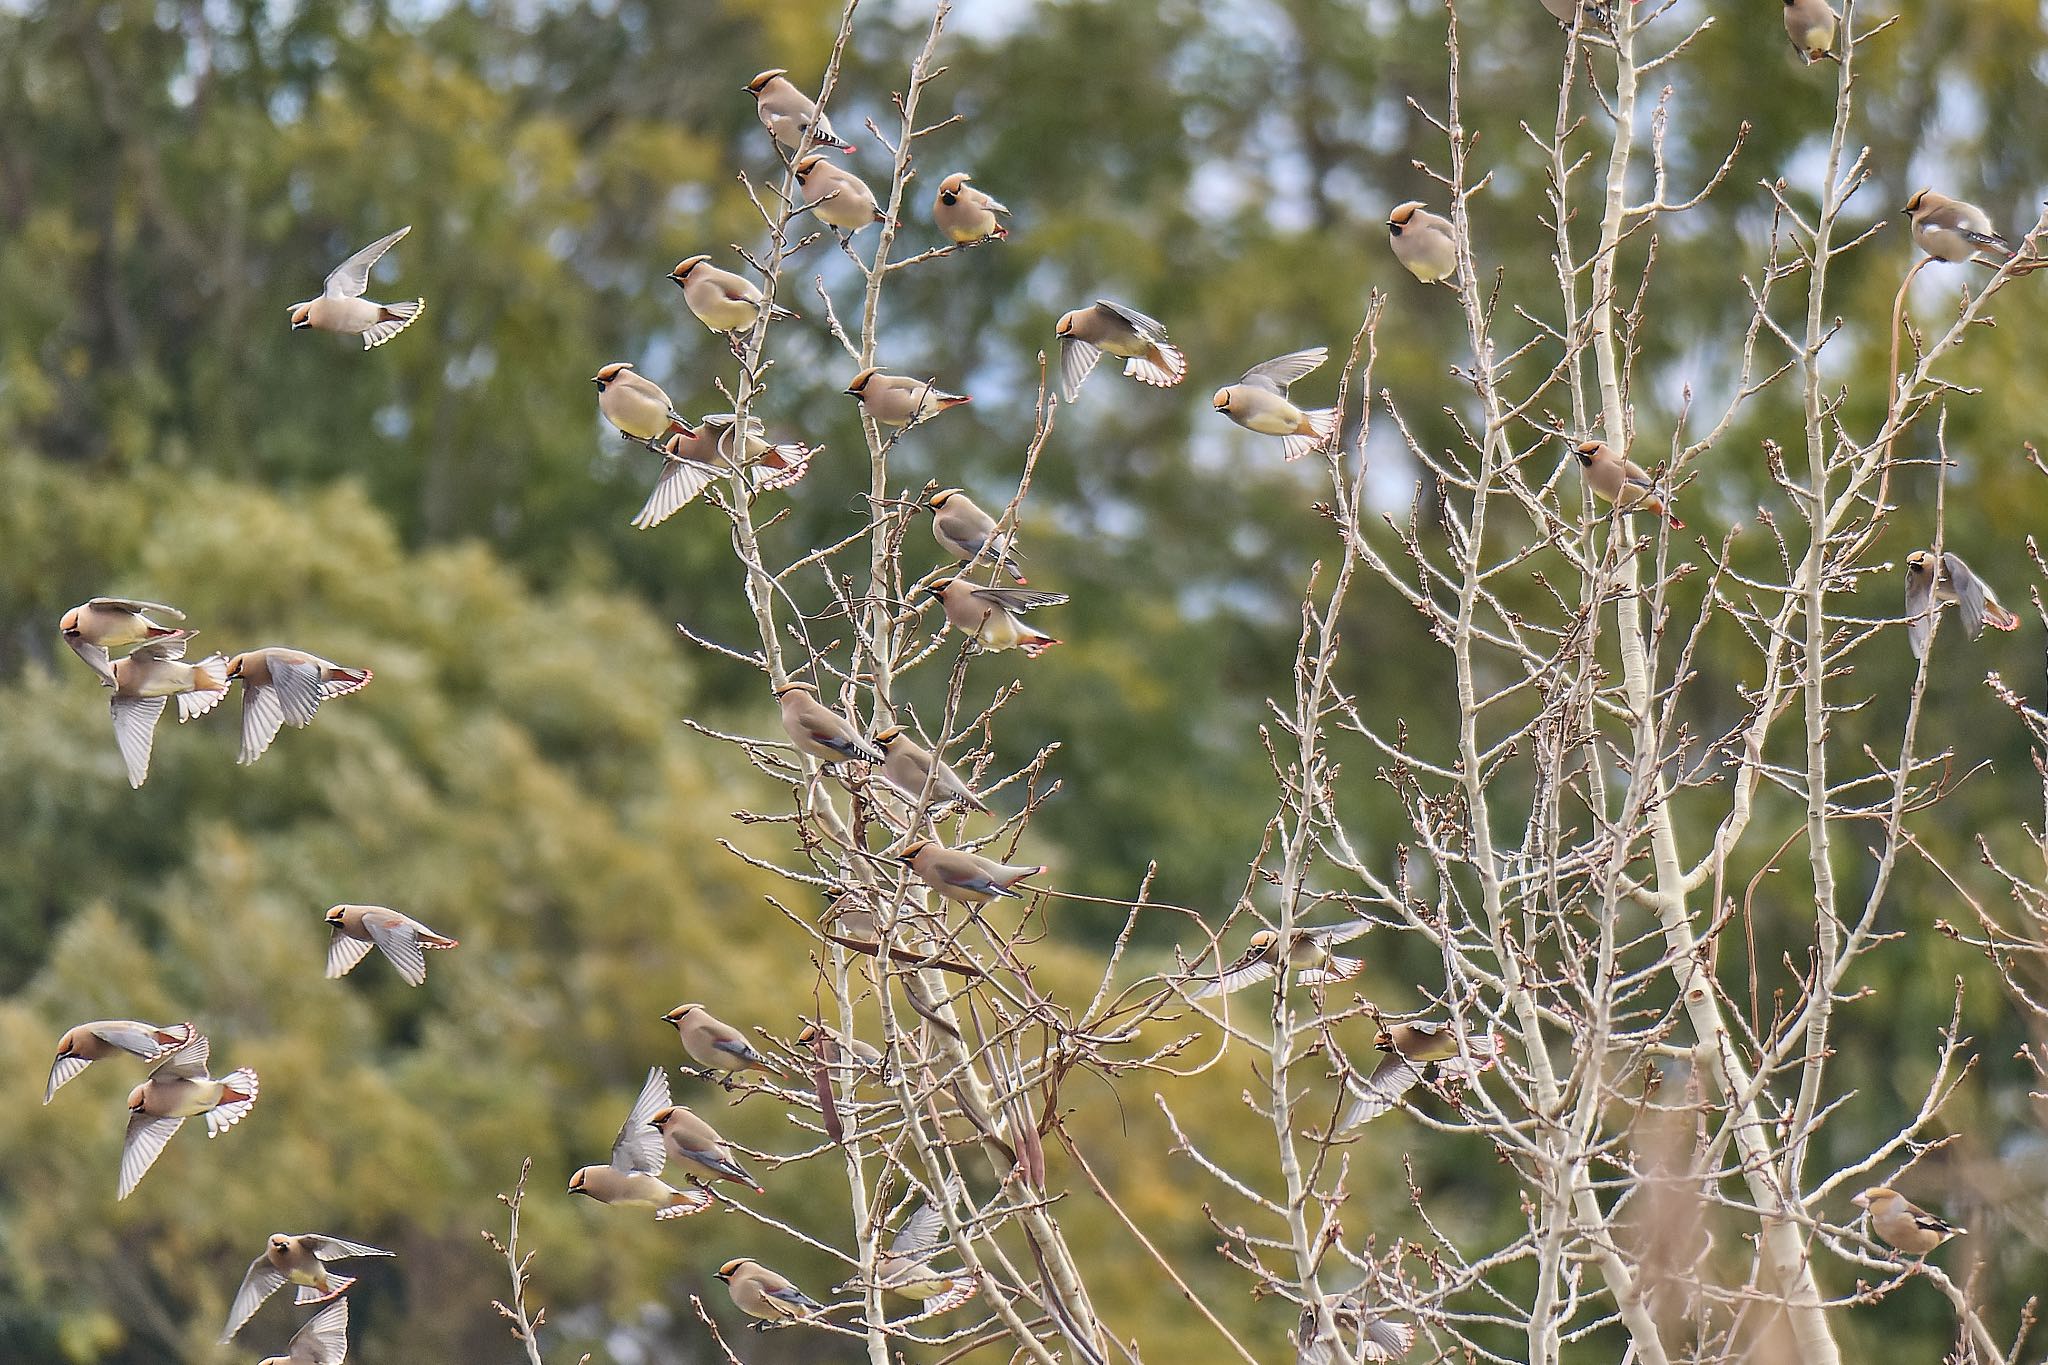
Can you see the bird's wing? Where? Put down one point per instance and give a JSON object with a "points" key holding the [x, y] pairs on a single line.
{"points": [[1077, 359], [1332, 934], [187, 1061], [349, 279], [147, 1134], [263, 1280], [1276, 374], [324, 1338], [135, 604], [95, 657], [1919, 610], [1149, 328], [297, 682], [1374, 1096], [638, 1149], [920, 1234], [140, 1041], [680, 482], [1334, 968], [1250, 969], [399, 940], [63, 1071], [1019, 599], [167, 648], [344, 951], [1969, 594], [335, 1249], [262, 718]]}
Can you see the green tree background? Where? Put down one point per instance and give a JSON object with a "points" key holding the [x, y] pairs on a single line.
{"points": [[450, 511]]}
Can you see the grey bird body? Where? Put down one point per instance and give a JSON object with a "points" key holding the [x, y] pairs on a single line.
{"points": [[836, 195], [1810, 24], [992, 616], [401, 938], [1424, 242], [636, 405], [969, 534], [722, 301], [1951, 230], [84, 1044], [964, 213], [910, 768], [1617, 479], [1903, 1223], [108, 623], [791, 115], [1122, 331], [178, 1089], [1259, 402], [1928, 590], [966, 878], [283, 686], [145, 679], [820, 731], [761, 1293], [1308, 953], [342, 308], [715, 1044], [689, 1138], [294, 1258], [896, 400], [632, 1178], [1410, 1047]]}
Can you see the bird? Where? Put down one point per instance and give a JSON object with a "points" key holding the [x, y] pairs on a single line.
{"points": [[969, 534], [342, 308], [1410, 1047], [1258, 402], [715, 1044], [722, 301], [691, 1139], [632, 1179], [820, 731], [1566, 12], [1613, 476], [637, 406], [401, 938], [84, 1044], [1928, 590], [840, 198], [322, 1341], [1379, 1339], [760, 1293], [965, 214], [791, 115], [895, 400], [1810, 24], [846, 1052], [1424, 242], [147, 677], [1308, 954], [966, 878], [1951, 230], [105, 623], [282, 687], [178, 1089], [694, 456], [1903, 1223], [990, 614], [1140, 342], [910, 768], [294, 1258], [905, 1265]]}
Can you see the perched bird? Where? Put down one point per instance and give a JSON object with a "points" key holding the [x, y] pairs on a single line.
{"points": [[847, 1052], [761, 1293], [1616, 478], [1258, 402], [896, 400], [1928, 590], [85, 1044], [1810, 24], [294, 1258], [322, 1341], [1951, 230], [968, 533], [722, 301], [1410, 1047], [1566, 12], [1423, 242], [910, 768], [285, 687], [178, 1089], [145, 679], [790, 114], [107, 623], [1308, 953], [714, 1044], [1140, 342], [990, 614], [820, 731], [905, 1265], [1903, 1223], [691, 1139], [401, 938], [967, 878], [849, 913], [693, 457], [342, 308], [1376, 1338], [838, 196], [636, 406], [964, 213], [632, 1179]]}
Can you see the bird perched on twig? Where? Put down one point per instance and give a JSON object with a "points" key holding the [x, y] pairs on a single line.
{"points": [[895, 400], [689, 1138], [1951, 230], [1615, 478], [967, 878], [836, 195], [1424, 242], [964, 213], [910, 768], [761, 1293], [992, 616], [713, 1043], [969, 534], [1811, 24], [820, 731], [1903, 1223], [723, 301], [791, 115]]}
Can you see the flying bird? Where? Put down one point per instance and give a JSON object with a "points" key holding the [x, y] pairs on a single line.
{"points": [[178, 1089], [722, 301], [401, 938], [1423, 242], [1410, 1048], [693, 457], [1308, 953], [342, 308], [1951, 230], [905, 1266], [149, 676], [1927, 591], [1903, 1223], [1140, 342], [1617, 479], [107, 623], [1378, 1339], [322, 1341], [761, 1293], [1258, 402], [283, 687], [294, 1258], [963, 877], [791, 115], [895, 400], [965, 214], [715, 1044], [992, 616], [85, 1044], [632, 1179]]}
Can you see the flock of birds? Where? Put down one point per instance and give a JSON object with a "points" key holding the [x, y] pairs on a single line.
{"points": [[284, 686]]}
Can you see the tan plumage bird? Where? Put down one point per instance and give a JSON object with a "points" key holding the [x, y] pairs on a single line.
{"points": [[84, 1044], [896, 400], [847, 1052], [838, 196], [1927, 591], [964, 213], [1258, 402], [790, 114], [636, 405], [632, 1179], [691, 1139], [693, 457], [1951, 230], [905, 1265], [1810, 24], [145, 679], [1372, 1337], [761, 1293], [107, 623], [969, 534], [178, 1089], [1903, 1223], [401, 938], [322, 1341], [283, 687], [991, 615], [910, 768], [722, 301], [294, 1258], [820, 731], [714, 1044], [1308, 954], [1410, 1047], [342, 308], [966, 878], [1424, 242], [1616, 478], [1140, 342]]}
